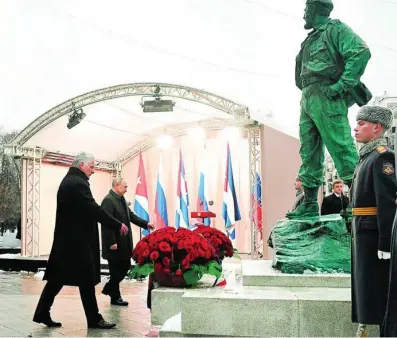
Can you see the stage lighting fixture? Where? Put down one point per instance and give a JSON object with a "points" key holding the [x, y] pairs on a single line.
{"points": [[157, 105], [76, 117]]}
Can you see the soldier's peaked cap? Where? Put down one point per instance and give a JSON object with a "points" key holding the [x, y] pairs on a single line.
{"points": [[376, 114], [324, 2]]}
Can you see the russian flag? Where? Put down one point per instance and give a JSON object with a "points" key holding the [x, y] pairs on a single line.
{"points": [[160, 209], [257, 203], [230, 209], [141, 205], [182, 197], [202, 203]]}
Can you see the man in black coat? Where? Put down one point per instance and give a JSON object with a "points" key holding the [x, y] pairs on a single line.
{"points": [[336, 202], [75, 259], [115, 248], [373, 201]]}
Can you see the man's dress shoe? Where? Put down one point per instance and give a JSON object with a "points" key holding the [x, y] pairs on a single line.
{"points": [[47, 321], [119, 302], [102, 324]]}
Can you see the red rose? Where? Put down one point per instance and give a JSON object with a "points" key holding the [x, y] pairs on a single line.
{"points": [[181, 245], [185, 264], [167, 271], [167, 237], [164, 247], [154, 255], [178, 272], [158, 267], [201, 252], [166, 261], [206, 234], [146, 253]]}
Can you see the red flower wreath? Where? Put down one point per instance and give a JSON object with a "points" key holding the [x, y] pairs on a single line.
{"points": [[176, 257], [221, 243]]}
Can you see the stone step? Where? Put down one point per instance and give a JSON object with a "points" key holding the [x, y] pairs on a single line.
{"points": [[166, 303], [261, 273], [268, 312]]}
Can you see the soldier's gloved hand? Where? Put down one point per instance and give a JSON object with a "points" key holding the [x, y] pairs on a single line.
{"points": [[383, 255], [333, 92]]}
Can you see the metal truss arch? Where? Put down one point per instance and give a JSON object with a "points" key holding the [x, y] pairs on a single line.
{"points": [[133, 89]]}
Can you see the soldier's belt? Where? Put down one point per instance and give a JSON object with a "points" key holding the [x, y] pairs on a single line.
{"points": [[367, 211]]}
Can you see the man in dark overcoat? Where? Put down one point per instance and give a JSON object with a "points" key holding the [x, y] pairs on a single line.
{"points": [[373, 201], [335, 202], [75, 258], [115, 248]]}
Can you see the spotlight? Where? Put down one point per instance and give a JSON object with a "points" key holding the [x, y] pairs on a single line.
{"points": [[76, 117], [157, 105]]}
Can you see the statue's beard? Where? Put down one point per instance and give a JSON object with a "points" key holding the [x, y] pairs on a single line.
{"points": [[308, 25], [310, 15]]}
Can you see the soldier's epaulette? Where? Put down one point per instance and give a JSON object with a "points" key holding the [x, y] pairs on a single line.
{"points": [[381, 149]]}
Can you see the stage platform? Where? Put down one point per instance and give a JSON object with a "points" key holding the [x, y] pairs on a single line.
{"points": [[16, 262]]}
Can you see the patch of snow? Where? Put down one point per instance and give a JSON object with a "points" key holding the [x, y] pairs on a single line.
{"points": [[9, 255], [104, 261], [104, 279], [9, 240], [39, 275]]}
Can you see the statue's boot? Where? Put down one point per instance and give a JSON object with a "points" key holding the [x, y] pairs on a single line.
{"points": [[309, 206]]}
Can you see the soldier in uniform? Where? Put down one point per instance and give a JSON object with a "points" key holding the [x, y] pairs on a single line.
{"points": [[329, 66], [373, 196]]}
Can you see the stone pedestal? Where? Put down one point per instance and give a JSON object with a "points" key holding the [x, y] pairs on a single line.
{"points": [[318, 244], [267, 303]]}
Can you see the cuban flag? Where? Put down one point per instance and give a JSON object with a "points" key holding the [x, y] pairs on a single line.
{"points": [[230, 209], [160, 209], [257, 203], [202, 203], [182, 197], [141, 205]]}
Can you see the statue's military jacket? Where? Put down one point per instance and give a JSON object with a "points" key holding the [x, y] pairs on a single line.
{"points": [[334, 53]]}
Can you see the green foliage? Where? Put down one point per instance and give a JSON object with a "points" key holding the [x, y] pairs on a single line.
{"points": [[141, 271], [236, 254], [196, 272]]}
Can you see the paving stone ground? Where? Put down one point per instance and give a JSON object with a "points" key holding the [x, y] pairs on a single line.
{"points": [[19, 294]]}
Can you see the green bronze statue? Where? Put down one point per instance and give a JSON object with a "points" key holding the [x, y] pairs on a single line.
{"points": [[329, 66]]}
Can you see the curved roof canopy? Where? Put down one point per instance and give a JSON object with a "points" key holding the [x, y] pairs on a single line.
{"points": [[242, 50], [115, 124]]}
